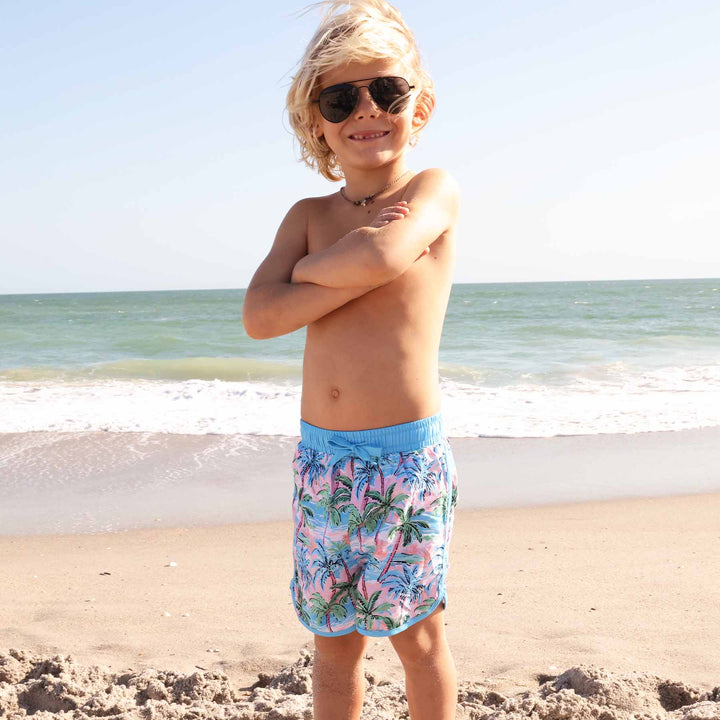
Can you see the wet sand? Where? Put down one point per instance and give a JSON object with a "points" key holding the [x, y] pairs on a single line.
{"points": [[52, 483]]}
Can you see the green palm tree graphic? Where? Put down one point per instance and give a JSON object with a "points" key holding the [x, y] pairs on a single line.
{"points": [[305, 510], [409, 526], [354, 522], [322, 608], [301, 604], [368, 610], [332, 502], [382, 505], [339, 552]]}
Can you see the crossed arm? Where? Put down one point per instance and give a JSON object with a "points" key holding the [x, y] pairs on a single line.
{"points": [[291, 289]]}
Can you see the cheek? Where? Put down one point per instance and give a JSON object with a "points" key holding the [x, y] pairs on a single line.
{"points": [[403, 123]]}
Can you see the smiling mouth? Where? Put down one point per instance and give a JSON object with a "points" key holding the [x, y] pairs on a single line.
{"points": [[369, 135]]}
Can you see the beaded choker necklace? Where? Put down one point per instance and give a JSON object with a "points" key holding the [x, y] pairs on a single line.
{"points": [[371, 198]]}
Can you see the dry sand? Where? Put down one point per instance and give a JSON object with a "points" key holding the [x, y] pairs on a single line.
{"points": [[604, 610], [57, 687]]}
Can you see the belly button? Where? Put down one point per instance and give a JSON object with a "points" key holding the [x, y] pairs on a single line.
{"points": [[335, 393]]}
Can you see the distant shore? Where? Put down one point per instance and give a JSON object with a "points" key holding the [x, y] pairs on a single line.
{"points": [[89, 482]]}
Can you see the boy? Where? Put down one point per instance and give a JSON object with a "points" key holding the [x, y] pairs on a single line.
{"points": [[368, 271]]}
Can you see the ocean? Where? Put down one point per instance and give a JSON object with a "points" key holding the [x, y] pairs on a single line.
{"points": [[517, 360]]}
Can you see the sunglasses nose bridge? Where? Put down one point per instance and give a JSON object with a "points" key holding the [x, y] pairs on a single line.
{"points": [[365, 99]]}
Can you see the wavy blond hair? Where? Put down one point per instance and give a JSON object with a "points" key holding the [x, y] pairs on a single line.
{"points": [[351, 31]]}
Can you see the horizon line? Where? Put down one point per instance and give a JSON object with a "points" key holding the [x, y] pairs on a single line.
{"points": [[242, 289]]}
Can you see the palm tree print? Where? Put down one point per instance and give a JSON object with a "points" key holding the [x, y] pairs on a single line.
{"points": [[366, 472], [325, 564], [406, 584], [371, 537], [368, 610], [331, 502], [419, 473], [407, 528], [301, 606], [355, 522], [302, 565], [381, 507], [310, 464], [322, 608], [304, 511], [425, 606], [340, 553]]}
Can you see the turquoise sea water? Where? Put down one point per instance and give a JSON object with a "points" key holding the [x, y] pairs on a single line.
{"points": [[516, 359]]}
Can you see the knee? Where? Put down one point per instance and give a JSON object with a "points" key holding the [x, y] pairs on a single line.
{"points": [[419, 649], [346, 649], [421, 644]]}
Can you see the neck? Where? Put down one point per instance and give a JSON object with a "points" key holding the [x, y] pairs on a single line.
{"points": [[361, 183]]}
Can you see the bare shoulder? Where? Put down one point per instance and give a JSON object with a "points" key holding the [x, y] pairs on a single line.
{"points": [[300, 215], [435, 186], [315, 207]]}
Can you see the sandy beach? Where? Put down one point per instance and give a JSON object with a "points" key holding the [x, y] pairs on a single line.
{"points": [[626, 587]]}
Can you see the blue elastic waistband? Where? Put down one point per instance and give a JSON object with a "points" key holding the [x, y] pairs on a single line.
{"points": [[378, 441]]}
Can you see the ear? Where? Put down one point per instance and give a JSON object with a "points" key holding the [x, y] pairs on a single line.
{"points": [[424, 106]]}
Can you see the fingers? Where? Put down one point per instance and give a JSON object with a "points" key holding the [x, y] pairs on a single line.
{"points": [[393, 212]]}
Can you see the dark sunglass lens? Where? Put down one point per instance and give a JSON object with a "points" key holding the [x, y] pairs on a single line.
{"points": [[336, 103], [386, 91]]}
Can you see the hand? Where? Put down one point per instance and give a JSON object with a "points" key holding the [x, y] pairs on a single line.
{"points": [[393, 212]]}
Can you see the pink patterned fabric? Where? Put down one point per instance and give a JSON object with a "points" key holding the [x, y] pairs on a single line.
{"points": [[371, 538]]}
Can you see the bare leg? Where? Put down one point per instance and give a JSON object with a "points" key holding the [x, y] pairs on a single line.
{"points": [[430, 680], [338, 678]]}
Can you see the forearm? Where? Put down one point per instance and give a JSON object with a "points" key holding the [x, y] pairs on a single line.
{"points": [[398, 236], [353, 260], [280, 308]]}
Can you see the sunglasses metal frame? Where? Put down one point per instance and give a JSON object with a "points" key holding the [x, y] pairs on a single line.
{"points": [[351, 84]]}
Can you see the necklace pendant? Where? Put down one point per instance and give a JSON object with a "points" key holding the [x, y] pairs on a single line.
{"points": [[361, 203]]}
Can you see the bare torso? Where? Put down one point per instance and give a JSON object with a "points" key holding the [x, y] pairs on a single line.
{"points": [[374, 361]]}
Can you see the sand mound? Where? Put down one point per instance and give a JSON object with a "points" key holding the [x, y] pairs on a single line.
{"points": [[57, 687]]}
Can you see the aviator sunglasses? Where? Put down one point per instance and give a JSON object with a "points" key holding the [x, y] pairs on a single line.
{"points": [[337, 102]]}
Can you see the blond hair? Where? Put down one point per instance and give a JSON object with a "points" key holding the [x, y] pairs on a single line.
{"points": [[351, 31]]}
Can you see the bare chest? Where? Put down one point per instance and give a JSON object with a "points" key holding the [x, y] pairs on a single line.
{"points": [[336, 221]]}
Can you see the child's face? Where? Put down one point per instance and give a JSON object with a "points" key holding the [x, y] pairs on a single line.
{"points": [[369, 137]]}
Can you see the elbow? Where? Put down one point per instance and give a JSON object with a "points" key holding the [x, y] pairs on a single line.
{"points": [[257, 329], [255, 322], [252, 328], [385, 267]]}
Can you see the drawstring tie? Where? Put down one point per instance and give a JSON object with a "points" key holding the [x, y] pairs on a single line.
{"points": [[340, 448]]}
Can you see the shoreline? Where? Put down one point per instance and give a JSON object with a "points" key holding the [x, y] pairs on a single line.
{"points": [[617, 584], [94, 482]]}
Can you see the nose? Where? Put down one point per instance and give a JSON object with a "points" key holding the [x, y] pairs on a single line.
{"points": [[366, 106]]}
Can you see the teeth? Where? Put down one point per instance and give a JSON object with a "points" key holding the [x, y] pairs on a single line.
{"points": [[370, 136]]}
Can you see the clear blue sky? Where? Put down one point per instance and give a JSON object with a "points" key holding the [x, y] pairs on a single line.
{"points": [[143, 144]]}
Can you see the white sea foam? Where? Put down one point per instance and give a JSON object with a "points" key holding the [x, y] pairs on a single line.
{"points": [[617, 400]]}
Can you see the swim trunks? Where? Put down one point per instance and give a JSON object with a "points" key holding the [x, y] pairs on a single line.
{"points": [[373, 513]]}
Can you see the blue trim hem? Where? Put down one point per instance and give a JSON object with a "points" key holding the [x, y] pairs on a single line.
{"points": [[376, 633], [409, 623]]}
